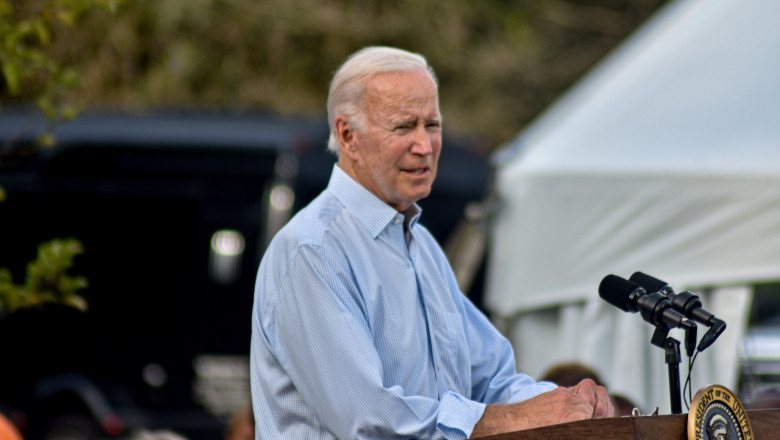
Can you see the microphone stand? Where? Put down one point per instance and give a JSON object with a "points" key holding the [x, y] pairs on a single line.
{"points": [[671, 347]]}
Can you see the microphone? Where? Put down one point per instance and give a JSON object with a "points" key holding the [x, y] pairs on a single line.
{"points": [[686, 303], [654, 308]]}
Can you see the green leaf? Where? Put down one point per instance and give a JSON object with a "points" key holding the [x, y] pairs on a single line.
{"points": [[77, 301], [44, 35], [46, 140], [47, 107], [11, 75], [67, 17]]}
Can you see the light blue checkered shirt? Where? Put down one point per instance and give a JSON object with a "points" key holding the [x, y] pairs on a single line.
{"points": [[357, 336]]}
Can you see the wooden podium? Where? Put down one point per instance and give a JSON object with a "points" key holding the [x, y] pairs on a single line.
{"points": [[764, 422]]}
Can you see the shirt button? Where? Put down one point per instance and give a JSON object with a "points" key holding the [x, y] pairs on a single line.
{"points": [[439, 367], [397, 220]]}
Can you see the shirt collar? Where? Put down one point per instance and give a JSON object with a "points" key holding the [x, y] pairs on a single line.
{"points": [[372, 211]]}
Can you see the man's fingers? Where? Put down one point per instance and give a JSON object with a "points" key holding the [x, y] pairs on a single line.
{"points": [[572, 406], [603, 407], [596, 396], [587, 389]]}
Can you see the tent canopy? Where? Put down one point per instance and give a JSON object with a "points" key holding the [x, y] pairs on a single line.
{"points": [[665, 159]]}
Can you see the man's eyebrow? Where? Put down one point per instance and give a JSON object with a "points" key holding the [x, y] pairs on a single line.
{"points": [[403, 121], [406, 121]]}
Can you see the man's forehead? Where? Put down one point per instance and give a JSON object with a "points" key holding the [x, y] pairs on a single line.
{"points": [[399, 91], [389, 83]]}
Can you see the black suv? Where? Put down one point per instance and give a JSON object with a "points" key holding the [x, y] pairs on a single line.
{"points": [[174, 211]]}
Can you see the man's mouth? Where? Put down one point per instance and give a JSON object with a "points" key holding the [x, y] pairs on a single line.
{"points": [[417, 171]]}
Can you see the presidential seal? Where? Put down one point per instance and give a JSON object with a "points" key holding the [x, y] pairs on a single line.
{"points": [[717, 414]]}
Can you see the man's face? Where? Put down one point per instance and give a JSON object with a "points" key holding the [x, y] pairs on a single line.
{"points": [[397, 150]]}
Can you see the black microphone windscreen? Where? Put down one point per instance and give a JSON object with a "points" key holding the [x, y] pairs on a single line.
{"points": [[649, 283], [616, 291]]}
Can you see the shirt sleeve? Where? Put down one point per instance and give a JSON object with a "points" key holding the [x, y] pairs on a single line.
{"points": [[316, 327], [495, 379]]}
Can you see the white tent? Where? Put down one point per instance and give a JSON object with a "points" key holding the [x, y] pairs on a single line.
{"points": [[665, 159]]}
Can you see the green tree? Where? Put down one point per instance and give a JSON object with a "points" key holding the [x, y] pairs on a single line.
{"points": [[34, 66], [499, 62], [47, 279]]}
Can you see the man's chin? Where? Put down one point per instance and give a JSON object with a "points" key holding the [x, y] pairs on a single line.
{"points": [[416, 196]]}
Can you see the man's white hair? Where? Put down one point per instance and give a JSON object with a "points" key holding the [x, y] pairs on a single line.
{"points": [[345, 96]]}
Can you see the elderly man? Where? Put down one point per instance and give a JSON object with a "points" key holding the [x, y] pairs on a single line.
{"points": [[359, 329]]}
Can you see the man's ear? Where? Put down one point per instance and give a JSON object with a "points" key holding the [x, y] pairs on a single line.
{"points": [[346, 132]]}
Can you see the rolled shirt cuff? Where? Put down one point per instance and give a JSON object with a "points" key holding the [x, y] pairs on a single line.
{"points": [[458, 416]]}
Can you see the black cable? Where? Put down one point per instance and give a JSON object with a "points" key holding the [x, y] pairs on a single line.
{"points": [[688, 384]]}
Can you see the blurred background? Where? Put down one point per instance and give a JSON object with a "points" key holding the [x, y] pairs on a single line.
{"points": [[150, 150], [499, 63]]}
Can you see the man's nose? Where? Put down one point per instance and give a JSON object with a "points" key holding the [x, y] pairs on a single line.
{"points": [[423, 144]]}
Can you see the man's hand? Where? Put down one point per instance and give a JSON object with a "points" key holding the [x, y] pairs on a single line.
{"points": [[597, 397], [586, 400]]}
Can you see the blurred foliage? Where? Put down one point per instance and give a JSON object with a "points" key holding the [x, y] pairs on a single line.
{"points": [[36, 65], [46, 279], [499, 62]]}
